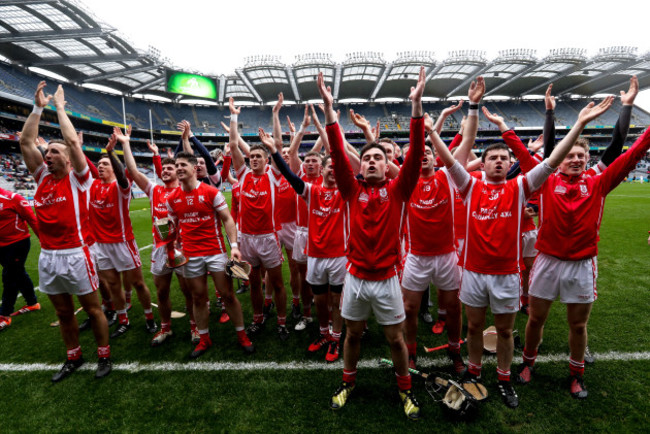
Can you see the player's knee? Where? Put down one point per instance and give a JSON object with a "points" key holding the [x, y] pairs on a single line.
{"points": [[504, 333], [474, 328], [578, 327]]}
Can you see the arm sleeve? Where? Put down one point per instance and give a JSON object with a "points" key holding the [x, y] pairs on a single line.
{"points": [[157, 165], [93, 170], [514, 171], [179, 148], [225, 168], [454, 144], [618, 137], [538, 175], [618, 170], [203, 152], [409, 173], [118, 169], [460, 176], [297, 183], [343, 173], [526, 161], [549, 133]]}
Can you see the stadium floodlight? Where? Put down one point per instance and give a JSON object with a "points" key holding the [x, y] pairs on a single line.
{"points": [[618, 53]]}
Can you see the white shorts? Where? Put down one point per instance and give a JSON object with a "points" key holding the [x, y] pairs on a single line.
{"points": [[499, 291], [261, 250], [69, 271], [287, 234], [321, 271], [441, 270], [572, 281], [117, 256], [201, 265], [528, 240], [299, 245], [158, 261], [383, 297]]}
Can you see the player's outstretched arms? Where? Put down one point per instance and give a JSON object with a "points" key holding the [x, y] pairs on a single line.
{"points": [[364, 125], [445, 114], [622, 124], [77, 157], [458, 173], [28, 136], [157, 161], [118, 169], [293, 179], [294, 159], [470, 129], [549, 122], [237, 156], [138, 177], [277, 127]]}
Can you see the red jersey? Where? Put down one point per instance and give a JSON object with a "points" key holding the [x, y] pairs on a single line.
{"points": [[257, 201], [300, 205], [285, 210], [15, 212], [196, 215], [61, 208], [572, 206], [158, 196], [430, 216], [328, 222], [234, 198], [493, 233], [376, 210], [460, 209], [109, 212]]}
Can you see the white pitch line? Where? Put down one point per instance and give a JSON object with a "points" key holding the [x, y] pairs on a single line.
{"points": [[133, 367]]}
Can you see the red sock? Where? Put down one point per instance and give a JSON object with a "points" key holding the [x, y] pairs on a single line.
{"points": [[74, 354], [165, 327], [403, 381], [104, 351], [258, 318], [474, 369], [241, 335], [454, 347], [577, 368], [268, 301], [295, 301], [503, 375], [349, 376], [123, 318], [282, 320], [529, 357], [148, 314], [412, 348]]}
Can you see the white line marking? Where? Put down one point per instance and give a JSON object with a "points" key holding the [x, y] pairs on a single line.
{"points": [[627, 195], [133, 367]]}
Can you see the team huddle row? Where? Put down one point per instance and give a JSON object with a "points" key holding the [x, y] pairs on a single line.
{"points": [[364, 232]]}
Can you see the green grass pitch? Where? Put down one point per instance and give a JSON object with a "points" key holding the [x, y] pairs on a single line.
{"points": [[270, 397]]}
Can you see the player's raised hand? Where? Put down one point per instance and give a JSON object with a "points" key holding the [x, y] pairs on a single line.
{"points": [[292, 127], [80, 136], [305, 118], [592, 111], [58, 99], [233, 109], [537, 144], [314, 117], [112, 141], [267, 140], [418, 90], [226, 150], [359, 120], [476, 90], [119, 135], [170, 153], [549, 99], [278, 105], [325, 92], [451, 110], [627, 98], [39, 97], [428, 123], [225, 127], [152, 147], [492, 117]]}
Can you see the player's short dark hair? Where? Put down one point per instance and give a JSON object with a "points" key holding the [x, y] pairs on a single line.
{"points": [[326, 159], [427, 143], [369, 146], [387, 140], [494, 147], [167, 160], [190, 158], [259, 147], [314, 154]]}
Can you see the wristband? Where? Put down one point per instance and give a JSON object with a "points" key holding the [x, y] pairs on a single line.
{"points": [[37, 110], [473, 106], [234, 245], [301, 130], [233, 118], [472, 112]]}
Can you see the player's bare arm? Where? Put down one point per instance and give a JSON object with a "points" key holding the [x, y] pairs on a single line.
{"points": [[77, 158], [138, 177], [233, 133], [32, 156]]}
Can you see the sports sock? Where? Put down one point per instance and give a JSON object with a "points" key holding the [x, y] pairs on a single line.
{"points": [[192, 324], [165, 327], [204, 334], [324, 331], [241, 334], [474, 369], [442, 314], [454, 347], [503, 375], [412, 348], [403, 381], [127, 296], [577, 368], [268, 300], [122, 316], [258, 318], [336, 336], [148, 314], [295, 301], [75, 353], [529, 357], [349, 376], [104, 351], [282, 320]]}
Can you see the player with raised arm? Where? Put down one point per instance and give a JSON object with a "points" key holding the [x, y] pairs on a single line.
{"points": [[491, 255], [199, 210], [431, 243], [116, 251], [15, 215], [326, 246], [257, 224], [162, 275], [65, 266], [571, 210], [376, 206]]}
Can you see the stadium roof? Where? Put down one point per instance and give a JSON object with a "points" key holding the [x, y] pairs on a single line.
{"points": [[61, 37]]}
